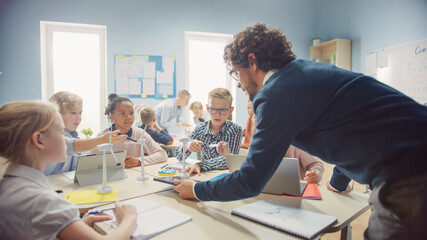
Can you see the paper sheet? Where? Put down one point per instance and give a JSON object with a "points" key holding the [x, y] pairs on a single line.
{"points": [[90, 196]]}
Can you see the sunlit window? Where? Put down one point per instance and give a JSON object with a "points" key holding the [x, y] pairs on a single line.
{"points": [[206, 69], [73, 59]]}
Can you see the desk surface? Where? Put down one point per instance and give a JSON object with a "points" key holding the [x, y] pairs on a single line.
{"points": [[128, 188], [213, 220]]}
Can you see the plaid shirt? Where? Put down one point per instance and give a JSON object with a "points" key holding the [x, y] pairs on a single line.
{"points": [[211, 159]]}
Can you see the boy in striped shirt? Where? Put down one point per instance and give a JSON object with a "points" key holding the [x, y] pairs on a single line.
{"points": [[218, 130]]}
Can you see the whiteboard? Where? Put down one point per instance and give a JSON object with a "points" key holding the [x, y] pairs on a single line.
{"points": [[404, 67]]}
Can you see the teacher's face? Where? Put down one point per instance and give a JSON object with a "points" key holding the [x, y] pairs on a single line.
{"points": [[247, 83]]}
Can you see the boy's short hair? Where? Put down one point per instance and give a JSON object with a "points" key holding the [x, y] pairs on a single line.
{"points": [[146, 114], [196, 104], [66, 101], [184, 94], [222, 93]]}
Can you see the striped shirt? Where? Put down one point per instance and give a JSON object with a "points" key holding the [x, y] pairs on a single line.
{"points": [[211, 159]]}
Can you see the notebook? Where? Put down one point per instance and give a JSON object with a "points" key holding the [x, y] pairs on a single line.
{"points": [[285, 180], [152, 219], [300, 222]]}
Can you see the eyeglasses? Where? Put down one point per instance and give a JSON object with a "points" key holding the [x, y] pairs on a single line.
{"points": [[222, 111], [235, 75]]}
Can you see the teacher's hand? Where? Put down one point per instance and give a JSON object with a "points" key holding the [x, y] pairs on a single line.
{"points": [[184, 188]]}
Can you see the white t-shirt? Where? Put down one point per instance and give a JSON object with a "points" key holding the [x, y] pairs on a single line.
{"points": [[29, 208]]}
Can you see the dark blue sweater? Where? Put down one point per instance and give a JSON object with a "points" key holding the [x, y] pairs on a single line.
{"points": [[371, 131]]}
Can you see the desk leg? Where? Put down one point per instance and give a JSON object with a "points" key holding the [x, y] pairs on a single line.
{"points": [[346, 233]]}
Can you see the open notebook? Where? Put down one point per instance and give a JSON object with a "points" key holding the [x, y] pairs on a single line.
{"points": [[300, 222], [152, 219]]}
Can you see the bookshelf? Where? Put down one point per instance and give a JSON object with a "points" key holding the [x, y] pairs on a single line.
{"points": [[341, 48]]}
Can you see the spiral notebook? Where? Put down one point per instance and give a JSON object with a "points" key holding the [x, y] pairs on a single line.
{"points": [[300, 222], [152, 219]]}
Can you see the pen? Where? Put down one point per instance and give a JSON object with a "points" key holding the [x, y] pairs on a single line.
{"points": [[129, 138], [164, 166], [100, 211]]}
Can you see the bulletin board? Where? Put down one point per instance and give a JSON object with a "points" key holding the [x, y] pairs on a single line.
{"points": [[145, 76], [404, 67]]}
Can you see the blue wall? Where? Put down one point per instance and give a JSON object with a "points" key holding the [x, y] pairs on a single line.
{"points": [[371, 24], [156, 27]]}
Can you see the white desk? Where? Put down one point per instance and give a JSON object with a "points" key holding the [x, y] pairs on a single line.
{"points": [[213, 220], [127, 188], [210, 217]]}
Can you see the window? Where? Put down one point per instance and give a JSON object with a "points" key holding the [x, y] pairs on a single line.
{"points": [[205, 67], [73, 59]]}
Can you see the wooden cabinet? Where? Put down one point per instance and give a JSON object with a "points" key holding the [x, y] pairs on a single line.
{"points": [[338, 48]]}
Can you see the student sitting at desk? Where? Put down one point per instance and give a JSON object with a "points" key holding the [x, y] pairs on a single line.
{"points": [[31, 133], [199, 115], [247, 131], [148, 119], [121, 113], [70, 107], [218, 129]]}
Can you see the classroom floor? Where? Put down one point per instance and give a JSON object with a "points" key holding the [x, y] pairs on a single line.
{"points": [[359, 224]]}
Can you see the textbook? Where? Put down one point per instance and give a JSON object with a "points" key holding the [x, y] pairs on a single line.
{"points": [[300, 222], [152, 219]]}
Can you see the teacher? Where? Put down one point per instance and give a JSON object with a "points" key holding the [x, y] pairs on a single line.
{"points": [[375, 134]]}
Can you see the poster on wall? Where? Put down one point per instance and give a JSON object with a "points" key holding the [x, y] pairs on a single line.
{"points": [[145, 76]]}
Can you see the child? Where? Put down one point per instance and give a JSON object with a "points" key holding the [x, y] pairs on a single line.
{"points": [[218, 129], [311, 168], [247, 132], [199, 114], [70, 107], [121, 113], [31, 134], [169, 112], [148, 119]]}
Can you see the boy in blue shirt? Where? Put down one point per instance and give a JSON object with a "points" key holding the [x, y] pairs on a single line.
{"points": [[148, 119]]}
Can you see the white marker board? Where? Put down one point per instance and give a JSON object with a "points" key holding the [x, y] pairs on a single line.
{"points": [[403, 67]]}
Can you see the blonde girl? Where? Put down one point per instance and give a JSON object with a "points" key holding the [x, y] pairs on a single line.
{"points": [[32, 136]]}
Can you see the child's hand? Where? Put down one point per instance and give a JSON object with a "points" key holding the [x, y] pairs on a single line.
{"points": [[156, 127], [223, 148], [194, 146], [115, 137], [89, 219], [194, 169], [132, 162], [312, 176], [125, 211]]}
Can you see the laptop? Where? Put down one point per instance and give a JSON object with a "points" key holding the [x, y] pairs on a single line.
{"points": [[89, 168], [285, 180]]}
